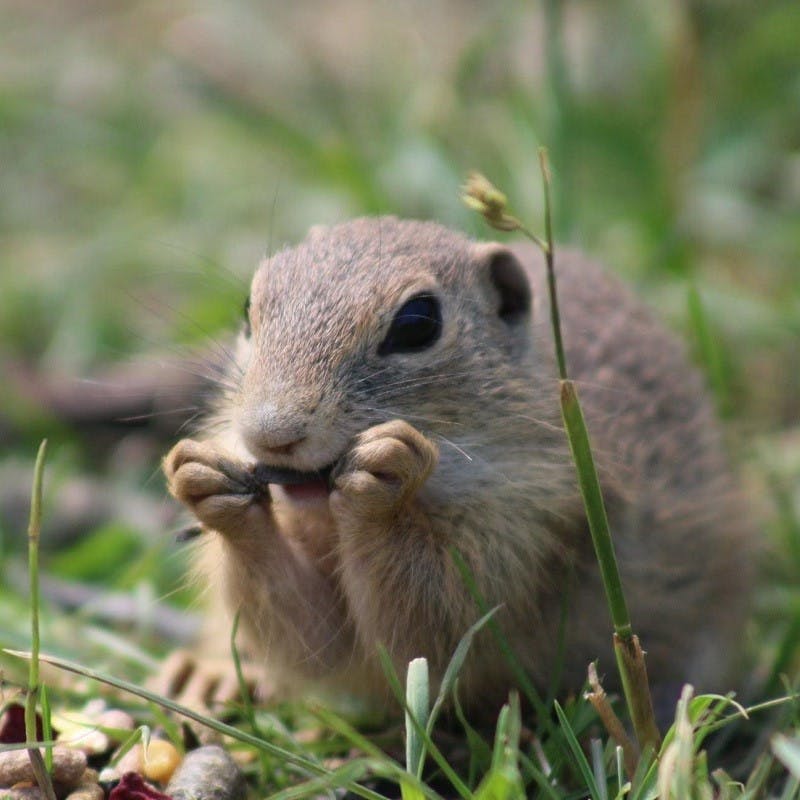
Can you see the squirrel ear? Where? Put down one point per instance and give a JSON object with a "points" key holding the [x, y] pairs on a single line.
{"points": [[508, 277]]}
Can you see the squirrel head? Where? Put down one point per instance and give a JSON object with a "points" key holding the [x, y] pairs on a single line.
{"points": [[375, 319]]}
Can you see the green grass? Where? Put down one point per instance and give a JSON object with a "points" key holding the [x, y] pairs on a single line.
{"points": [[149, 156]]}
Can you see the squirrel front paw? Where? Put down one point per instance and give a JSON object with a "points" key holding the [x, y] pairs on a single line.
{"points": [[384, 470], [220, 491]]}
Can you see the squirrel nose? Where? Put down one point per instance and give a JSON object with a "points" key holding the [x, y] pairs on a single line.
{"points": [[267, 431]]}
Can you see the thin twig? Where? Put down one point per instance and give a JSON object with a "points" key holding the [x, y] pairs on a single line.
{"points": [[616, 730]]}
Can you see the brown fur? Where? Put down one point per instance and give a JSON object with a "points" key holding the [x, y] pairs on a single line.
{"points": [[461, 446]]}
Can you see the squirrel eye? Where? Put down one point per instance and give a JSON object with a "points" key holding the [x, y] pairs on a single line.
{"points": [[246, 313], [416, 326]]}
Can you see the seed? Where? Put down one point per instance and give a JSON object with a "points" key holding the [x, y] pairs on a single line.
{"points": [[159, 760]]}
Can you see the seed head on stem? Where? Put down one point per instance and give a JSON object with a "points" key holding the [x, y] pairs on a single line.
{"points": [[481, 195]]}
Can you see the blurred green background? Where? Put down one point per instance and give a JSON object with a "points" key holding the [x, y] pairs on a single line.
{"points": [[151, 152]]}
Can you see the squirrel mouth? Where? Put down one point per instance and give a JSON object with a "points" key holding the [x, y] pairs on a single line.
{"points": [[292, 479]]}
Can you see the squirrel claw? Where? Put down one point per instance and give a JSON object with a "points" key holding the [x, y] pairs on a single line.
{"points": [[385, 469], [206, 685], [217, 489]]}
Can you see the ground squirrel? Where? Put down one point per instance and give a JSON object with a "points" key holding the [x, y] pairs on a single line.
{"points": [[393, 396]]}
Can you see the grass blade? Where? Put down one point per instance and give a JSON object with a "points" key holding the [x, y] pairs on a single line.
{"points": [[520, 676], [630, 658], [38, 763], [47, 728], [599, 768], [581, 762], [709, 350], [787, 751], [578, 436], [247, 701], [417, 706], [504, 780], [454, 666], [436, 754]]}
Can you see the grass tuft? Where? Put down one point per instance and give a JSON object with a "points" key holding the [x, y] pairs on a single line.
{"points": [[673, 133]]}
